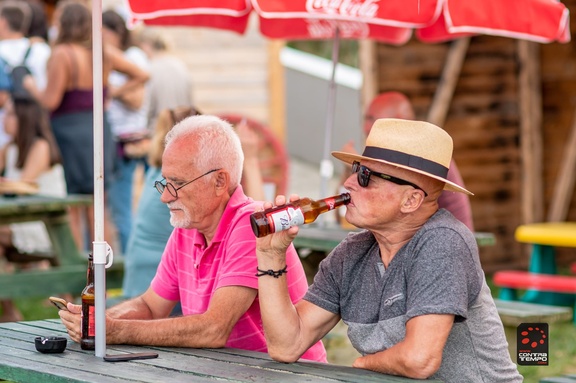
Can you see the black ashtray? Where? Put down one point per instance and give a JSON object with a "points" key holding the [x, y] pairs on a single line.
{"points": [[50, 344]]}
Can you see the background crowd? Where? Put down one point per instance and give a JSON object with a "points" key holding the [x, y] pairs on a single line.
{"points": [[46, 135]]}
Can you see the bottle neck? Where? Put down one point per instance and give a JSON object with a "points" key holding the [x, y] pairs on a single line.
{"points": [[333, 202], [90, 272]]}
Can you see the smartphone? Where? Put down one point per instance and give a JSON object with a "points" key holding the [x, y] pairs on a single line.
{"points": [[59, 302], [133, 356]]}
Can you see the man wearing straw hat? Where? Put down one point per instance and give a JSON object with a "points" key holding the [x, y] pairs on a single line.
{"points": [[410, 286]]}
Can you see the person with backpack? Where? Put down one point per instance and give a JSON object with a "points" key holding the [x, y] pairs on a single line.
{"points": [[17, 51]]}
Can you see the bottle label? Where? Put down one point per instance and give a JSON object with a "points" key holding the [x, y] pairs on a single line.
{"points": [[91, 321], [285, 219], [331, 203]]}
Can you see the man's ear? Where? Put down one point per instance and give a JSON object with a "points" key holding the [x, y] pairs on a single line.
{"points": [[222, 180], [412, 200]]}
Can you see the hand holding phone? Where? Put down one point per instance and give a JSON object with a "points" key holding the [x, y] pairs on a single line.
{"points": [[60, 303]]}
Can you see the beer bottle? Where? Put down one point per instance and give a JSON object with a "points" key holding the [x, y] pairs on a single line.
{"points": [[295, 213], [88, 329]]}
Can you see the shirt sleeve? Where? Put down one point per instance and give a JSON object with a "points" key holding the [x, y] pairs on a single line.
{"points": [[325, 290], [442, 277]]}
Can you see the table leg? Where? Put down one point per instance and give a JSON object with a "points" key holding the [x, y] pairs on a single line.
{"points": [[58, 227], [543, 261]]}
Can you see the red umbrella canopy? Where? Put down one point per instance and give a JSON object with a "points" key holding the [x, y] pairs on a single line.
{"points": [[389, 21], [230, 15], [386, 21], [542, 21]]}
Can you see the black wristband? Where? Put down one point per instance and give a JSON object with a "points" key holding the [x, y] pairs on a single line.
{"points": [[272, 273]]}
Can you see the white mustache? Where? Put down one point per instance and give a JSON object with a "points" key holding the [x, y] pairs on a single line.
{"points": [[174, 205]]}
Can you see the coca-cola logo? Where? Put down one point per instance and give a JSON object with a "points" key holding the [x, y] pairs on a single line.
{"points": [[349, 8], [324, 29]]}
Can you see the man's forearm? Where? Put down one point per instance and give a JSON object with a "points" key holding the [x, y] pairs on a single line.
{"points": [[280, 318], [187, 331], [135, 308]]}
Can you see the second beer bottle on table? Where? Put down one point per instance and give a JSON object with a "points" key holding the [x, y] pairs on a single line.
{"points": [[88, 329], [295, 213]]}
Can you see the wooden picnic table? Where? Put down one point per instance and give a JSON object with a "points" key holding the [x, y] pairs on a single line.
{"points": [[542, 281], [327, 237], [20, 362], [70, 273], [315, 241]]}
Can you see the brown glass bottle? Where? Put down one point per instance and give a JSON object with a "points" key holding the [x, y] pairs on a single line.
{"points": [[295, 213], [88, 329]]}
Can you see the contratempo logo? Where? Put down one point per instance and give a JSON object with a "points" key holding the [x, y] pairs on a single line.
{"points": [[532, 344]]}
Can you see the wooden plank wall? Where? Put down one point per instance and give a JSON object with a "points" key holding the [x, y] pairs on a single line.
{"points": [[229, 71], [484, 121], [559, 112]]}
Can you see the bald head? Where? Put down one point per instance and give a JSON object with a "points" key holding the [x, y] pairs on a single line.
{"points": [[387, 105]]}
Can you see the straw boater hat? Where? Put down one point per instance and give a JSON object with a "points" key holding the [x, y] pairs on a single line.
{"points": [[417, 146]]}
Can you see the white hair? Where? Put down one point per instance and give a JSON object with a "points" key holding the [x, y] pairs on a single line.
{"points": [[218, 144]]}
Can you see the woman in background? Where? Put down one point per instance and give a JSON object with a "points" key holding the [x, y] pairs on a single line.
{"points": [[31, 157], [151, 227], [68, 96]]}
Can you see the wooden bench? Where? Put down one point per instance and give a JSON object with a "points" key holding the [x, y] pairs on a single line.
{"points": [[512, 280], [512, 313], [559, 379], [69, 276]]}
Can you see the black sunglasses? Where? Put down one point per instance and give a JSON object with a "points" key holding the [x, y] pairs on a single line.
{"points": [[174, 190], [364, 174]]}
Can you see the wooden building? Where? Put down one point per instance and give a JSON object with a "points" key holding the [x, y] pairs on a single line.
{"points": [[510, 108]]}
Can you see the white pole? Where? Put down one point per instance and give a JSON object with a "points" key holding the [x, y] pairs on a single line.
{"points": [[326, 166], [99, 246]]}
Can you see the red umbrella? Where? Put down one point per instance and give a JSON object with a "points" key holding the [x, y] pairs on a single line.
{"points": [[386, 21], [542, 21], [390, 21], [230, 15]]}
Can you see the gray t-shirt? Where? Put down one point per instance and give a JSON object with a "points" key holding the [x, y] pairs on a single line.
{"points": [[437, 272]]}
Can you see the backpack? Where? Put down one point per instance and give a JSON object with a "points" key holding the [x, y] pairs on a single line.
{"points": [[5, 81], [11, 78]]}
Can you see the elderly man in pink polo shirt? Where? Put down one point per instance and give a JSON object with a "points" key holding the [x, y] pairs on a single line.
{"points": [[209, 263]]}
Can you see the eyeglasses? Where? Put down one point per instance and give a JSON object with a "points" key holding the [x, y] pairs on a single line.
{"points": [[364, 174], [174, 190]]}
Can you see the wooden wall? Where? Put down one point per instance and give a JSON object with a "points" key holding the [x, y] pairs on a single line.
{"points": [[484, 121]]}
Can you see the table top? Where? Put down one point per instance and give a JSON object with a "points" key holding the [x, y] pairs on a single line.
{"points": [[326, 238], [561, 234], [20, 362]]}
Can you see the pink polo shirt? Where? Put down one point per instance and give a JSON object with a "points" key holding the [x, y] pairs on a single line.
{"points": [[191, 272]]}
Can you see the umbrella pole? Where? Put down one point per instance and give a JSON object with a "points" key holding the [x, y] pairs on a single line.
{"points": [[326, 166], [99, 246]]}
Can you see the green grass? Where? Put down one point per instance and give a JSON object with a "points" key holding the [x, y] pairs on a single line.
{"points": [[562, 354], [562, 350], [36, 308]]}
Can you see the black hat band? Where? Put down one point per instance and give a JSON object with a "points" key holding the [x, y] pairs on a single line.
{"points": [[409, 160]]}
